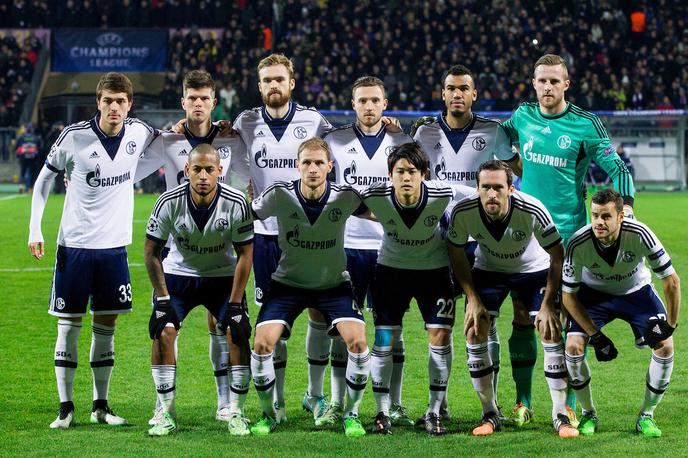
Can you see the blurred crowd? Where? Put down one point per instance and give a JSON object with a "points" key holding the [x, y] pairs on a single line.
{"points": [[17, 61]]}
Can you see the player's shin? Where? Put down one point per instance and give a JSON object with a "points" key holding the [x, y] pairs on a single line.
{"points": [[164, 377], [239, 379], [219, 359], [381, 366], [657, 381], [263, 370], [556, 376], [439, 369], [280, 361], [579, 378], [523, 354], [398, 357], [494, 348], [102, 359], [339, 356], [357, 371], [66, 346], [481, 372], [317, 351]]}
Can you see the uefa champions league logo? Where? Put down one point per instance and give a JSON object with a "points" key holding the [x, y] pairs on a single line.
{"points": [[152, 225], [568, 270]]}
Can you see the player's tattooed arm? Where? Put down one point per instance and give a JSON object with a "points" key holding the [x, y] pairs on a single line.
{"points": [[476, 319], [151, 255], [547, 320]]}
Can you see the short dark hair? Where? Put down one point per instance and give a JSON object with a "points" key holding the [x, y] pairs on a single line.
{"points": [[198, 79], [115, 82], [204, 148], [457, 70], [604, 196], [368, 81], [314, 143], [495, 165], [413, 153]]}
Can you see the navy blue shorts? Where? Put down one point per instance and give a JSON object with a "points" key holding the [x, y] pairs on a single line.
{"points": [[493, 287], [361, 266], [266, 256], [188, 292], [395, 288], [285, 303], [101, 275], [635, 309]]}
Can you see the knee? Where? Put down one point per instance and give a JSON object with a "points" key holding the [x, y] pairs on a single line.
{"points": [[666, 350], [357, 344], [384, 337], [106, 320], [439, 337], [168, 337], [262, 346]]}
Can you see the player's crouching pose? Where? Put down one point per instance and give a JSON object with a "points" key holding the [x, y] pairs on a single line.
{"points": [[311, 215], [208, 222], [519, 250], [605, 278], [100, 157], [412, 263]]}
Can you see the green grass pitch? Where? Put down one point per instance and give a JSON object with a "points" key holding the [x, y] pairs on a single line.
{"points": [[28, 397]]}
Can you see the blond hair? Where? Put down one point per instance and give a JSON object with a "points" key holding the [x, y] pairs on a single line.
{"points": [[552, 59], [277, 59]]}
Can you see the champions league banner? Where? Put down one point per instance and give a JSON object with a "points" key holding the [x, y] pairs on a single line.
{"points": [[98, 50]]}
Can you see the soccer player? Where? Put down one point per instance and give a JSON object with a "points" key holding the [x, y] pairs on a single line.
{"points": [[272, 134], [360, 153], [211, 230], [171, 150], [605, 278], [519, 249], [101, 156], [557, 141], [311, 214], [412, 263], [457, 141]]}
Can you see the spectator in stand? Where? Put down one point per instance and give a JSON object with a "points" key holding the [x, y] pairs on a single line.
{"points": [[29, 152]]}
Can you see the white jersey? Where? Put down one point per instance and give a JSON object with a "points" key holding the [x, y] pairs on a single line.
{"points": [[99, 205], [619, 269], [516, 244], [361, 160], [455, 154], [171, 151], [271, 146], [311, 233], [203, 238], [412, 236]]}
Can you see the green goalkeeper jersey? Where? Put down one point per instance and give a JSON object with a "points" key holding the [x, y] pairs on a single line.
{"points": [[556, 151]]}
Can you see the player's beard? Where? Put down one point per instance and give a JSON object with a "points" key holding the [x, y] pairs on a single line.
{"points": [[370, 122], [276, 102]]}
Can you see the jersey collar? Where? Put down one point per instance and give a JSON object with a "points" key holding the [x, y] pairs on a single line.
{"points": [[278, 126], [110, 144], [195, 141], [556, 115], [312, 208], [410, 215], [497, 228], [371, 142], [456, 137]]}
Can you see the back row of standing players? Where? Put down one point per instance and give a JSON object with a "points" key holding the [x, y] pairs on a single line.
{"points": [[557, 140]]}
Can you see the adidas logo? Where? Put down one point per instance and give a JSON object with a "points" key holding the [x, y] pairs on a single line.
{"points": [[159, 314], [94, 155], [546, 130], [391, 222], [479, 236], [438, 145], [656, 329], [595, 265], [183, 227], [260, 134], [183, 153], [352, 151], [294, 216], [236, 318]]}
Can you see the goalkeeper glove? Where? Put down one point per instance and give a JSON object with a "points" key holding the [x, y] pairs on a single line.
{"points": [[656, 331], [604, 347]]}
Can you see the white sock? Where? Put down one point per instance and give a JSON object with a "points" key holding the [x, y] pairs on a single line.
{"points": [[219, 359], [357, 370], [339, 355], [102, 359], [398, 357], [657, 381], [263, 370], [164, 377], [381, 367], [480, 370], [280, 363], [239, 381], [579, 378], [556, 376], [451, 359], [494, 348], [318, 352], [439, 369], [66, 346]]}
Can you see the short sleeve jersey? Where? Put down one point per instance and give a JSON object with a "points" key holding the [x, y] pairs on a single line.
{"points": [[412, 237], [618, 269], [99, 205], [310, 233], [203, 239], [271, 145], [516, 244], [359, 161]]}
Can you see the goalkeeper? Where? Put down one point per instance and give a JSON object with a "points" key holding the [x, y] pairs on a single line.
{"points": [[604, 278]]}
